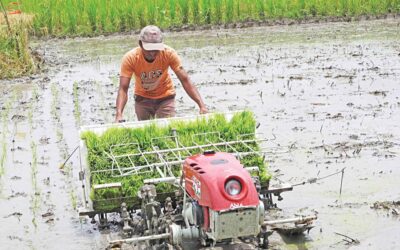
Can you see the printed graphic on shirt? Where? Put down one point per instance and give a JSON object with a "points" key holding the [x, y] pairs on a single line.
{"points": [[150, 80]]}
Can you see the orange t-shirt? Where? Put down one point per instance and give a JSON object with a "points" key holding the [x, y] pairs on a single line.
{"points": [[151, 79]]}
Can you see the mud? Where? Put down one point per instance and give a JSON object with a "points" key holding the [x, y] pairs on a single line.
{"points": [[326, 96]]}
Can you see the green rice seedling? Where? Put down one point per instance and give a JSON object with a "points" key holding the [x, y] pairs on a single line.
{"points": [[162, 14], [99, 91], [43, 21], [353, 8], [71, 17], [218, 11], [342, 9], [390, 6], [103, 15], [3, 153], [74, 202], [260, 9], [151, 13], [35, 198], [172, 11], [206, 11], [55, 113], [249, 5], [91, 9], [131, 21], [302, 8], [229, 11], [34, 166], [123, 17], [50, 20], [34, 223], [77, 111], [271, 9], [141, 15], [54, 92], [312, 8], [184, 6], [196, 11], [88, 17], [114, 16], [34, 98], [4, 119]]}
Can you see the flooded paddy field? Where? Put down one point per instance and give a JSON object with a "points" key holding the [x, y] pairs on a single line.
{"points": [[327, 97]]}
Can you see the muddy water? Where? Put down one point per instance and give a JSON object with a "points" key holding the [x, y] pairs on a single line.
{"points": [[326, 96]]}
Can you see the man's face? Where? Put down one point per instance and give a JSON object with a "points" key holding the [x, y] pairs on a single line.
{"points": [[150, 55]]}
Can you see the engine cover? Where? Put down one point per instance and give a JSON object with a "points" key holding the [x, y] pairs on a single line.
{"points": [[206, 176]]}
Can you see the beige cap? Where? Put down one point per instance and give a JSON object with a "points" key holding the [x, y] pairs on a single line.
{"points": [[151, 37]]}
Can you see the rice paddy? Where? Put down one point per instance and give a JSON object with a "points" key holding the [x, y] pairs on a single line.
{"points": [[94, 17], [317, 100], [91, 17]]}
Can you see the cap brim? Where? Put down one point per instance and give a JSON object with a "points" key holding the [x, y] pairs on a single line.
{"points": [[153, 46]]}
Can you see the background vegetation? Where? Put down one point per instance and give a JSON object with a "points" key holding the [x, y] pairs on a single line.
{"points": [[91, 17], [94, 17], [15, 57]]}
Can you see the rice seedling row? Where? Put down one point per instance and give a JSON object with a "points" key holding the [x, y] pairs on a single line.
{"points": [[36, 193], [102, 104], [54, 107], [34, 99], [35, 196], [77, 111], [88, 17], [62, 145], [5, 117]]}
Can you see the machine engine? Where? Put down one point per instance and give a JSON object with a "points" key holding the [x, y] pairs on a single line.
{"points": [[225, 202], [182, 198], [219, 203]]}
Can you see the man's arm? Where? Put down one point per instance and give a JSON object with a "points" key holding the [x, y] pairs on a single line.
{"points": [[122, 97], [190, 89]]}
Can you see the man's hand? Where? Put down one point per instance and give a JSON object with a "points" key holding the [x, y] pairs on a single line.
{"points": [[118, 119]]}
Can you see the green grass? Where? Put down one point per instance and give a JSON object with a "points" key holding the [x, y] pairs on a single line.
{"points": [[241, 123], [91, 17], [15, 56]]}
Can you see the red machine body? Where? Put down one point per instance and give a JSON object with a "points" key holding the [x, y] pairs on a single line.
{"points": [[206, 176]]}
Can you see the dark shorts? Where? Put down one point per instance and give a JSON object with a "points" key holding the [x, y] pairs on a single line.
{"points": [[146, 108]]}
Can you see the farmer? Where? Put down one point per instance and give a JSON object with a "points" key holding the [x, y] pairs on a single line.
{"points": [[154, 89]]}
